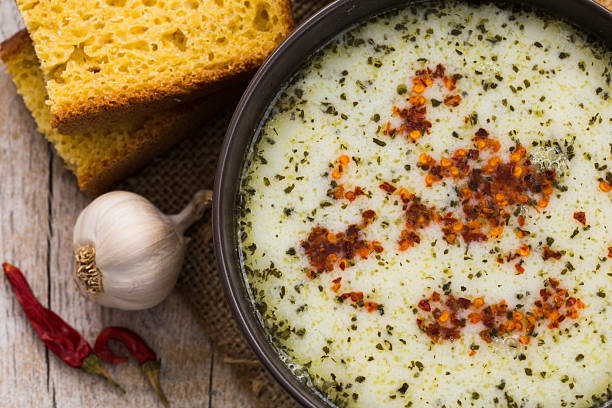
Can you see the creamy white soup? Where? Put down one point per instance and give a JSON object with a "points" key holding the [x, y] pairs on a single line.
{"points": [[425, 214]]}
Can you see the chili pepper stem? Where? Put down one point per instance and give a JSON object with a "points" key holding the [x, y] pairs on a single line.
{"points": [[93, 365], [151, 370]]}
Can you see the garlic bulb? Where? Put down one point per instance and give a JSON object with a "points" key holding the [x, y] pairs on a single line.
{"points": [[128, 253]]}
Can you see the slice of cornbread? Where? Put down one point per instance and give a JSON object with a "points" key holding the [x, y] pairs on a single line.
{"points": [[99, 158], [106, 60]]}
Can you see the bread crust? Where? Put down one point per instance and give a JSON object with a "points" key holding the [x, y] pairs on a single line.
{"points": [[13, 44], [155, 138], [108, 110]]}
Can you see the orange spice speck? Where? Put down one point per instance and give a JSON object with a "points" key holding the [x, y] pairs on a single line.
{"points": [[364, 252], [517, 171], [424, 158], [474, 317], [430, 179], [515, 157], [605, 186], [336, 174], [336, 284], [370, 306], [523, 250], [472, 353], [496, 232], [494, 161], [445, 162], [543, 203], [414, 134], [344, 159], [494, 145], [524, 340], [460, 153], [478, 302], [418, 88], [404, 194], [444, 316]]}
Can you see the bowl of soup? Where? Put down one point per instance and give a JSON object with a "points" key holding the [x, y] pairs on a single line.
{"points": [[413, 207]]}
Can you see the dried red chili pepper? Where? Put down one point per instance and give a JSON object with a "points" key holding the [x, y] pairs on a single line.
{"points": [[149, 364], [58, 336]]}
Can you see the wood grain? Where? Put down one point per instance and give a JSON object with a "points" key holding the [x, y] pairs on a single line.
{"points": [[39, 203]]}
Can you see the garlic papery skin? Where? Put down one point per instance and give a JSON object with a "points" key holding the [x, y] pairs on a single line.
{"points": [[128, 253]]}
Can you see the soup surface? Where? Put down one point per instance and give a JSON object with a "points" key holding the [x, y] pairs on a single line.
{"points": [[425, 215]]}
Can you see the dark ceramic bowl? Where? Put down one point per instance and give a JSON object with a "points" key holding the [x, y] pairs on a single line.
{"points": [[282, 64]]}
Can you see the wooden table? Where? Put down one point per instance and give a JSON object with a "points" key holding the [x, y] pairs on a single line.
{"points": [[39, 203]]}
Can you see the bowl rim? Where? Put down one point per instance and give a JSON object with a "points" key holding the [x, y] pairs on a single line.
{"points": [[230, 162]]}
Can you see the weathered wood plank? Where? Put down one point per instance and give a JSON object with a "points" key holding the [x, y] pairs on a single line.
{"points": [[228, 393], [24, 227]]}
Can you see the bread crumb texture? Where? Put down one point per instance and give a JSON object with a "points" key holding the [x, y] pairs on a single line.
{"points": [[94, 52], [89, 154]]}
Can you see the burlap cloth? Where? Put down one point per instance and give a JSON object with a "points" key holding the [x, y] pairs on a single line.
{"points": [[170, 182]]}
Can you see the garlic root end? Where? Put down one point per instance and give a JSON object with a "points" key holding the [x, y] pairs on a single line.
{"points": [[88, 276]]}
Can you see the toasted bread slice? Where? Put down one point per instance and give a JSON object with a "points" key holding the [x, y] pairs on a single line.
{"points": [[100, 158], [107, 60]]}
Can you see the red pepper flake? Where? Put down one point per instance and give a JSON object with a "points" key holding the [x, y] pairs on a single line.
{"points": [[414, 121], [389, 188], [580, 217], [452, 100], [352, 195], [354, 296], [549, 253], [489, 192], [323, 247], [368, 214], [519, 268], [371, 306], [464, 303], [343, 161], [447, 321], [336, 284], [610, 252], [424, 305]]}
